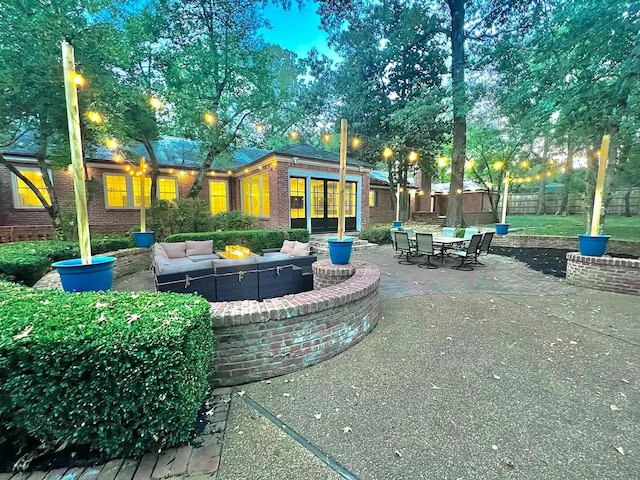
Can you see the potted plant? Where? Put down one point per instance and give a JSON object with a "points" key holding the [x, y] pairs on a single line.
{"points": [[340, 247], [85, 273], [595, 243]]}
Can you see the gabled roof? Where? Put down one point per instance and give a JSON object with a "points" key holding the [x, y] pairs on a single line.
{"points": [[467, 186], [315, 153], [380, 177]]}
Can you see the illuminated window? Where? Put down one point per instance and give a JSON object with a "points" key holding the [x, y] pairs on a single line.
{"points": [[136, 191], [296, 197], [116, 191], [167, 188], [350, 200], [24, 197], [218, 196], [255, 195], [372, 198], [123, 191], [317, 198]]}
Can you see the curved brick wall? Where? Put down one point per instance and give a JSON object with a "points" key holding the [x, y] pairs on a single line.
{"points": [[620, 275], [258, 340], [128, 261], [564, 243]]}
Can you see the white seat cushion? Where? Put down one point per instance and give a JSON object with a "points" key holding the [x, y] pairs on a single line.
{"points": [[195, 247]]}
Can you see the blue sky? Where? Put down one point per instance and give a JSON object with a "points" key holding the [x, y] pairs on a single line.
{"points": [[296, 29]]}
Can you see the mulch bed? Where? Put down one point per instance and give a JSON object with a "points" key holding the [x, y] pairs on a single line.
{"points": [[550, 261]]}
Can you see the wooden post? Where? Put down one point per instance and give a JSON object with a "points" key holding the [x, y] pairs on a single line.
{"points": [[398, 200], [597, 199], [75, 142], [343, 174], [505, 195], [143, 212]]}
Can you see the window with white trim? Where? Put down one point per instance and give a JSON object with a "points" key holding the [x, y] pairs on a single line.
{"points": [[123, 191], [255, 195], [372, 198], [218, 196], [23, 196]]}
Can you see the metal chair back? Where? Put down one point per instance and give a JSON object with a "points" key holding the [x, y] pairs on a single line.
{"points": [[486, 242], [474, 244], [424, 243], [469, 232], [402, 241], [448, 232]]}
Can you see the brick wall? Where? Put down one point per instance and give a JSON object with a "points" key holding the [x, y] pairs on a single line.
{"points": [[258, 340], [564, 243], [326, 273], [383, 211], [128, 261], [619, 275]]}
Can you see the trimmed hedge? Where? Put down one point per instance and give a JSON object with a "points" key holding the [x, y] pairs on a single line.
{"points": [[120, 372], [27, 262], [255, 240], [379, 235]]}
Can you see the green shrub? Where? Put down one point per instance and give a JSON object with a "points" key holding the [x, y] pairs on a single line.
{"points": [[179, 216], [27, 262], [234, 220], [459, 233], [255, 240], [379, 235], [123, 373]]}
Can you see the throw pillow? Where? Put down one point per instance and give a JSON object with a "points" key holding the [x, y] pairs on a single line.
{"points": [[287, 246], [300, 249], [175, 250], [158, 251], [194, 247]]}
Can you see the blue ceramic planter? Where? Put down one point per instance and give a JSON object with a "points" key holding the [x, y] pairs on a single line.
{"points": [[502, 228], [143, 239], [76, 277], [397, 224], [340, 251], [593, 245]]}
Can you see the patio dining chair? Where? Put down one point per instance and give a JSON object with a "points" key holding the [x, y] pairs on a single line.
{"points": [[484, 247], [468, 233], [467, 257], [424, 246], [448, 232], [404, 248]]}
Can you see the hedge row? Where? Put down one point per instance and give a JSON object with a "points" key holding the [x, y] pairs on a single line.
{"points": [[27, 262], [379, 235], [123, 373], [255, 240]]}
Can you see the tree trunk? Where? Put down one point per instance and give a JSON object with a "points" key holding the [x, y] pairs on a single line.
{"points": [[542, 193], [564, 201], [627, 202], [454, 208]]}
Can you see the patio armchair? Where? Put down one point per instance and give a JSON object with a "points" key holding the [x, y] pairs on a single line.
{"points": [[448, 232], [469, 256], [424, 246], [484, 247], [468, 233], [404, 248]]}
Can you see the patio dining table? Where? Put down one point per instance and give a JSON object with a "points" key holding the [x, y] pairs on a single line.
{"points": [[444, 243]]}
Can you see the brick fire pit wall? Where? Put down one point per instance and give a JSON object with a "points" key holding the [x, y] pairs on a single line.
{"points": [[258, 340], [620, 275]]}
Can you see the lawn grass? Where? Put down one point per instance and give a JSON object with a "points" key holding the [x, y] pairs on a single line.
{"points": [[620, 228]]}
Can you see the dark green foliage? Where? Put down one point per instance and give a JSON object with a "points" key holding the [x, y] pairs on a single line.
{"points": [[256, 240], [379, 235], [27, 262], [123, 373], [459, 233], [234, 220]]}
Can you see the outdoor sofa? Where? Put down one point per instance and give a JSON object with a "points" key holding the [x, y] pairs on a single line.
{"points": [[193, 267]]}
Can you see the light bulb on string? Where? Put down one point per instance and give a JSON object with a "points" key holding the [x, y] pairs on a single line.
{"points": [[387, 152], [326, 137], [78, 80], [356, 142], [111, 144], [498, 165], [413, 156], [294, 135], [210, 118], [261, 127], [155, 103], [95, 117]]}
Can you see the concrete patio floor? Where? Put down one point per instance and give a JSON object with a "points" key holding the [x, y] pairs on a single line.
{"points": [[501, 372]]}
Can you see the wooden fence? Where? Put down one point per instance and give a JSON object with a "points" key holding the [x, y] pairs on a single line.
{"points": [[527, 203]]}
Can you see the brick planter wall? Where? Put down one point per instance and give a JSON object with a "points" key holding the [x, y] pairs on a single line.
{"points": [[620, 275], [258, 340], [128, 261], [326, 274], [564, 243]]}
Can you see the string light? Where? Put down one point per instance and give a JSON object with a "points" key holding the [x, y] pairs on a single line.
{"points": [[413, 156], [78, 80], [524, 164], [95, 117], [155, 103], [210, 118], [260, 127], [469, 164], [326, 137], [387, 152], [294, 135], [442, 162], [111, 144], [118, 158], [356, 142], [498, 165]]}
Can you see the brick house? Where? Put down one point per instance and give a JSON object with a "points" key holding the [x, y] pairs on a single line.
{"points": [[293, 187]]}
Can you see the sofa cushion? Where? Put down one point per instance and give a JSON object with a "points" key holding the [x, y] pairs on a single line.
{"points": [[198, 258], [159, 251], [175, 250], [183, 265], [194, 247], [287, 246], [300, 249]]}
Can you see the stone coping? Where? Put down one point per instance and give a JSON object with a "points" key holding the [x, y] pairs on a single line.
{"points": [[564, 243]]}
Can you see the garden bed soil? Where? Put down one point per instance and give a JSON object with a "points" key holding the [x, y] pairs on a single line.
{"points": [[550, 261]]}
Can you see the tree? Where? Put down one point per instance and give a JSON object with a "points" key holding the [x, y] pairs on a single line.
{"points": [[32, 102]]}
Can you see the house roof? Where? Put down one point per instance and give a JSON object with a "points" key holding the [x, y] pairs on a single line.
{"points": [[467, 186], [184, 153], [380, 177]]}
